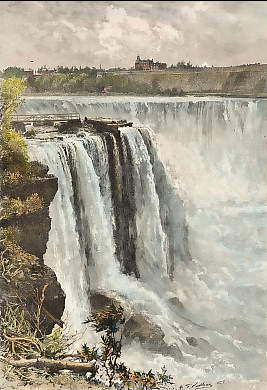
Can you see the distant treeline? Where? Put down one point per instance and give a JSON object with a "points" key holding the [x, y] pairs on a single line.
{"points": [[185, 65], [71, 69], [75, 80], [80, 69], [90, 83], [14, 71], [96, 81], [189, 65]]}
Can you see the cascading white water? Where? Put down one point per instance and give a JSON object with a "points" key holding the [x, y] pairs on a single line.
{"points": [[75, 162], [215, 154], [63, 253]]}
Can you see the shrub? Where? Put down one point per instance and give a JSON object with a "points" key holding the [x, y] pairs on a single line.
{"points": [[22, 336], [17, 207], [87, 354], [111, 321], [11, 91], [11, 177], [55, 344], [15, 264], [18, 336]]}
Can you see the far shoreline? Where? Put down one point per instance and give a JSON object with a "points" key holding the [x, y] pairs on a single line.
{"points": [[186, 94]]}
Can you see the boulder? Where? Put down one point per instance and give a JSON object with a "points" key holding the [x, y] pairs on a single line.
{"points": [[140, 328], [100, 300]]}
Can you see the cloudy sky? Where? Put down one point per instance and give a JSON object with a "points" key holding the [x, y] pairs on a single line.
{"points": [[112, 33]]}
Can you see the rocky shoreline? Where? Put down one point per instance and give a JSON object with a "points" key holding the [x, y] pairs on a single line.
{"points": [[64, 381]]}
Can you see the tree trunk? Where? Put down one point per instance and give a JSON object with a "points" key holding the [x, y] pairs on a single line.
{"points": [[52, 365]]}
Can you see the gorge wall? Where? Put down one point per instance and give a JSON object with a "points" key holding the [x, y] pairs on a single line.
{"points": [[222, 81], [32, 236]]}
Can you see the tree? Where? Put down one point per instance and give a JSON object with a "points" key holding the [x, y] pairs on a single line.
{"points": [[13, 151], [11, 91], [110, 322], [13, 71]]}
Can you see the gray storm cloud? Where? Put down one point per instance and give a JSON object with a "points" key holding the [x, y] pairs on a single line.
{"points": [[112, 33]]}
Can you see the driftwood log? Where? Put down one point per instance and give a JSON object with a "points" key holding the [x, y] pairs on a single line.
{"points": [[52, 365]]}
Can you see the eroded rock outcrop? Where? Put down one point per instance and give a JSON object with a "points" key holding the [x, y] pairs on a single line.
{"points": [[32, 236]]}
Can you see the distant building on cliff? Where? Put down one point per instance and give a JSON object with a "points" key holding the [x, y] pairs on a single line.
{"points": [[149, 64]]}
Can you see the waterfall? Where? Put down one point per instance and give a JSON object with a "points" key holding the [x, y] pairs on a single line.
{"points": [[110, 222], [171, 224]]}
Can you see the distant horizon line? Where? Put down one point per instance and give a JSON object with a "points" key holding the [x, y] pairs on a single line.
{"points": [[101, 68]]}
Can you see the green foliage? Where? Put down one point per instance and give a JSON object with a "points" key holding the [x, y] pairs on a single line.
{"points": [[163, 377], [185, 65], [76, 81], [9, 234], [13, 71], [8, 178], [59, 83], [108, 320], [22, 338], [88, 82], [16, 265], [111, 321], [18, 336], [72, 69], [142, 379], [11, 90], [22, 316], [13, 152], [87, 354], [21, 320], [13, 148], [14, 320], [55, 344]]}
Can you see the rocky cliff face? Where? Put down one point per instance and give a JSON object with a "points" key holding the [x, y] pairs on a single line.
{"points": [[33, 231], [225, 81]]}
